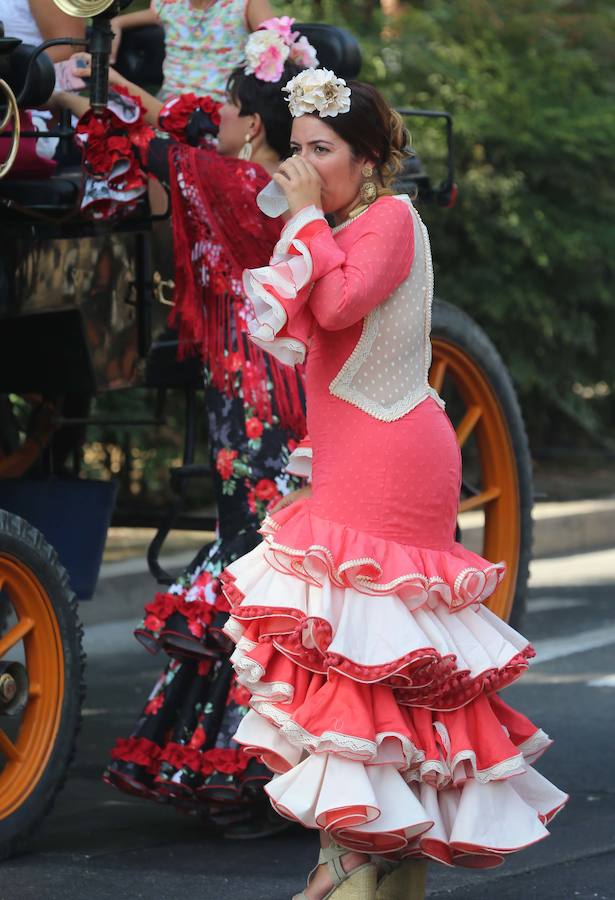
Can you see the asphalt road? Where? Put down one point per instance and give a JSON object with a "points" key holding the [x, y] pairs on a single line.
{"points": [[98, 843]]}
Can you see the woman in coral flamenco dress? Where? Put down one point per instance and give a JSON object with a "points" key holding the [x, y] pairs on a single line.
{"points": [[359, 622]]}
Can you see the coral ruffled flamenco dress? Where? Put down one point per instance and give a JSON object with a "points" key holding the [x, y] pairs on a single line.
{"points": [[359, 623]]}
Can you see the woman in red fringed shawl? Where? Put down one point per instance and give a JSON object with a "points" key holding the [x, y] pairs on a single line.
{"points": [[181, 748]]}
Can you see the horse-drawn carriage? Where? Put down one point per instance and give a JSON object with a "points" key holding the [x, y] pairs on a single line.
{"points": [[81, 313]]}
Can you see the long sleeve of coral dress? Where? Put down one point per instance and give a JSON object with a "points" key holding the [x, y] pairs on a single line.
{"points": [[360, 626]]}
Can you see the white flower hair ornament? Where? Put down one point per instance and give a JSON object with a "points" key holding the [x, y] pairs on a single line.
{"points": [[268, 48], [317, 90]]}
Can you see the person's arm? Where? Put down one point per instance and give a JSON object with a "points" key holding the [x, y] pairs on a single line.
{"points": [[78, 105], [74, 103], [311, 277], [119, 24], [258, 11], [53, 23], [349, 285], [151, 104]]}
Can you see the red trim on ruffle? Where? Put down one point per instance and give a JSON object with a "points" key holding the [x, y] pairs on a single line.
{"points": [[143, 752], [230, 589], [460, 688], [199, 613], [420, 678], [227, 760], [138, 750], [180, 756]]}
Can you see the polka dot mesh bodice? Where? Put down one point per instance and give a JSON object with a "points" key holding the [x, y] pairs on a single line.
{"points": [[386, 374]]}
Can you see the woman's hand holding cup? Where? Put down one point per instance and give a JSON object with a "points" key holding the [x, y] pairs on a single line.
{"points": [[300, 182]]}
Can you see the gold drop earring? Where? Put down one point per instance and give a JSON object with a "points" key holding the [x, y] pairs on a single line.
{"points": [[369, 189], [246, 151]]}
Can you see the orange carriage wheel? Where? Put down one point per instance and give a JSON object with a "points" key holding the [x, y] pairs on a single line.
{"points": [[41, 676], [496, 497]]}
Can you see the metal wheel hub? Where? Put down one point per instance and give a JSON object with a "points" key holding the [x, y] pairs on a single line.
{"points": [[13, 688]]}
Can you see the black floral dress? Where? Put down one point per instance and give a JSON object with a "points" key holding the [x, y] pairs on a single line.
{"points": [[181, 749]]}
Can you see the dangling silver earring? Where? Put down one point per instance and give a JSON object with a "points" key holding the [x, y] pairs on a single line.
{"points": [[369, 189], [246, 151]]}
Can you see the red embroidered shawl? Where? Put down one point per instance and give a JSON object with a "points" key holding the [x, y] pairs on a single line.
{"points": [[218, 231]]}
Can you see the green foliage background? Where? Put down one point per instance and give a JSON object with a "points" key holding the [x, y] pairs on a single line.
{"points": [[528, 249]]}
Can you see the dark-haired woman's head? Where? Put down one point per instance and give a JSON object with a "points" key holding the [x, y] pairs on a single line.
{"points": [[256, 111], [364, 144]]}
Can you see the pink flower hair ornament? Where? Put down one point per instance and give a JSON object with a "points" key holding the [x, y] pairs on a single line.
{"points": [[268, 48]]}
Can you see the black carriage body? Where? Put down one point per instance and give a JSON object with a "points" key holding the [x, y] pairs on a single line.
{"points": [[74, 310]]}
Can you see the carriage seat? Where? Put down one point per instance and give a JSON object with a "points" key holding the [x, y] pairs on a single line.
{"points": [[60, 191]]}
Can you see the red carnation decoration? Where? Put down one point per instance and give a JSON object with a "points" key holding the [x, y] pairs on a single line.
{"points": [[177, 112]]}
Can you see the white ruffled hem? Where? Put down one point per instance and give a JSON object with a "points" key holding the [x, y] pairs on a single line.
{"points": [[372, 808]]}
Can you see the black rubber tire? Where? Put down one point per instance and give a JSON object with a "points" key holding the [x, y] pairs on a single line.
{"points": [[23, 542], [5, 610], [454, 325]]}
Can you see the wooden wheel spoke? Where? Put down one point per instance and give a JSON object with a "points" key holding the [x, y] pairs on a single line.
{"points": [[8, 748], [33, 639], [16, 634], [481, 499], [437, 373], [468, 424]]}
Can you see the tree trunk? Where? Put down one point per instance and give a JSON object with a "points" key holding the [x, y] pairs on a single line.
{"points": [[391, 8]]}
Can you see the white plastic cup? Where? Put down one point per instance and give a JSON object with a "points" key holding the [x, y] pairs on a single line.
{"points": [[272, 200]]}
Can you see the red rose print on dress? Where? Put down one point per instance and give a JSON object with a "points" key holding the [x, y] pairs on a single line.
{"points": [[266, 490], [154, 705], [224, 462], [254, 428], [198, 738]]}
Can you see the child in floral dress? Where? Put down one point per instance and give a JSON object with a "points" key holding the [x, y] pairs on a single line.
{"points": [[204, 40]]}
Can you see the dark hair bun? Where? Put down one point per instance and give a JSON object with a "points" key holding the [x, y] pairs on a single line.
{"points": [[252, 95], [373, 130]]}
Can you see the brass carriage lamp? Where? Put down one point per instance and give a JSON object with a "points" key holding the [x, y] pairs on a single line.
{"points": [[9, 111], [101, 12]]}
